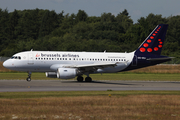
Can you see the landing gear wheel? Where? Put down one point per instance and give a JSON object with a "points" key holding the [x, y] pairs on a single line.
{"points": [[80, 79], [88, 79], [28, 79]]}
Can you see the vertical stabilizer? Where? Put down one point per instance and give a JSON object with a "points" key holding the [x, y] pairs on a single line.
{"points": [[154, 42]]}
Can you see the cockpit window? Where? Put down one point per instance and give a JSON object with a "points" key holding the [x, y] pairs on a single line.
{"points": [[16, 57]]}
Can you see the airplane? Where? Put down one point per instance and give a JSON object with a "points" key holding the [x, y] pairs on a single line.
{"points": [[67, 65]]}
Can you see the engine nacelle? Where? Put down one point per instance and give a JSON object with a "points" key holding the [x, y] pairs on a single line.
{"points": [[66, 73], [51, 74]]}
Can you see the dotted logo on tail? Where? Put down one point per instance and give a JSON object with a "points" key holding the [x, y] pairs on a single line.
{"points": [[146, 45]]}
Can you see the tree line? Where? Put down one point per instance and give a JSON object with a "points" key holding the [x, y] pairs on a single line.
{"points": [[39, 29]]}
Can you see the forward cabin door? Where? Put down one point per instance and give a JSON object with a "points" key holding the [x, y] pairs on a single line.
{"points": [[30, 59]]}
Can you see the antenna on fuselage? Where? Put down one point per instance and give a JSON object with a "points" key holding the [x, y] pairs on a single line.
{"points": [[31, 49], [105, 51]]}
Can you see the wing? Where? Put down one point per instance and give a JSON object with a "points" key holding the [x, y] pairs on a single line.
{"points": [[95, 66], [87, 67], [98, 65]]}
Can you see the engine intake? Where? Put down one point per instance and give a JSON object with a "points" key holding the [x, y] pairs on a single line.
{"points": [[66, 73]]}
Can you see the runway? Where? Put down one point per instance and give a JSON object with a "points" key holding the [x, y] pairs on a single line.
{"points": [[69, 85]]}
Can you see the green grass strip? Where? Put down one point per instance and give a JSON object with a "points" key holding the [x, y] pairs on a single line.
{"points": [[108, 76], [15, 95]]}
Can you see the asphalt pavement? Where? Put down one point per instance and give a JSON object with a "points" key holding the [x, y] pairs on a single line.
{"points": [[70, 85]]}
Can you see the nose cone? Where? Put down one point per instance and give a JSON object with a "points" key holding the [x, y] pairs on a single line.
{"points": [[7, 64]]}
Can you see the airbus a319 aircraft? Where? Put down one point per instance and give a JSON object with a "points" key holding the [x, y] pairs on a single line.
{"points": [[67, 65]]}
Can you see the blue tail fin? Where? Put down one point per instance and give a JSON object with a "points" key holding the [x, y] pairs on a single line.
{"points": [[154, 42]]}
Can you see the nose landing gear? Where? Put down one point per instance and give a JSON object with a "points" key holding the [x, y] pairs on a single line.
{"points": [[29, 77]]}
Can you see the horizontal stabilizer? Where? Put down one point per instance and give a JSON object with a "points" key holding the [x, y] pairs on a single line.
{"points": [[164, 58]]}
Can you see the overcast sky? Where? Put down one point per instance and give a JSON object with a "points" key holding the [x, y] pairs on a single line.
{"points": [[136, 8]]}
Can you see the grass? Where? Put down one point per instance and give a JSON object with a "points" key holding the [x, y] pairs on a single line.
{"points": [[19, 95], [108, 105], [161, 68], [108, 76], [96, 105]]}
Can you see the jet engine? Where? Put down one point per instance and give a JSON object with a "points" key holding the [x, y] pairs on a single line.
{"points": [[66, 73], [51, 74]]}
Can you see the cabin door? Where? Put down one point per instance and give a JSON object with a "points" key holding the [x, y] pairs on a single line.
{"points": [[30, 59]]}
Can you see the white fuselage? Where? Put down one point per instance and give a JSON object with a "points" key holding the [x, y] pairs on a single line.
{"points": [[46, 61]]}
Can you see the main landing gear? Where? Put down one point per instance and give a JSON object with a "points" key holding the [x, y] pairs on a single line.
{"points": [[87, 79], [29, 77]]}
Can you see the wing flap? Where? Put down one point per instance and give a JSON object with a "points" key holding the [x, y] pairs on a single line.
{"points": [[96, 65]]}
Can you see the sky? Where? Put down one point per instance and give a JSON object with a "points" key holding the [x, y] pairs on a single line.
{"points": [[136, 8]]}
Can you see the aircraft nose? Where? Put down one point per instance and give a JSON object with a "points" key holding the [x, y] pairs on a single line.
{"points": [[7, 64]]}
